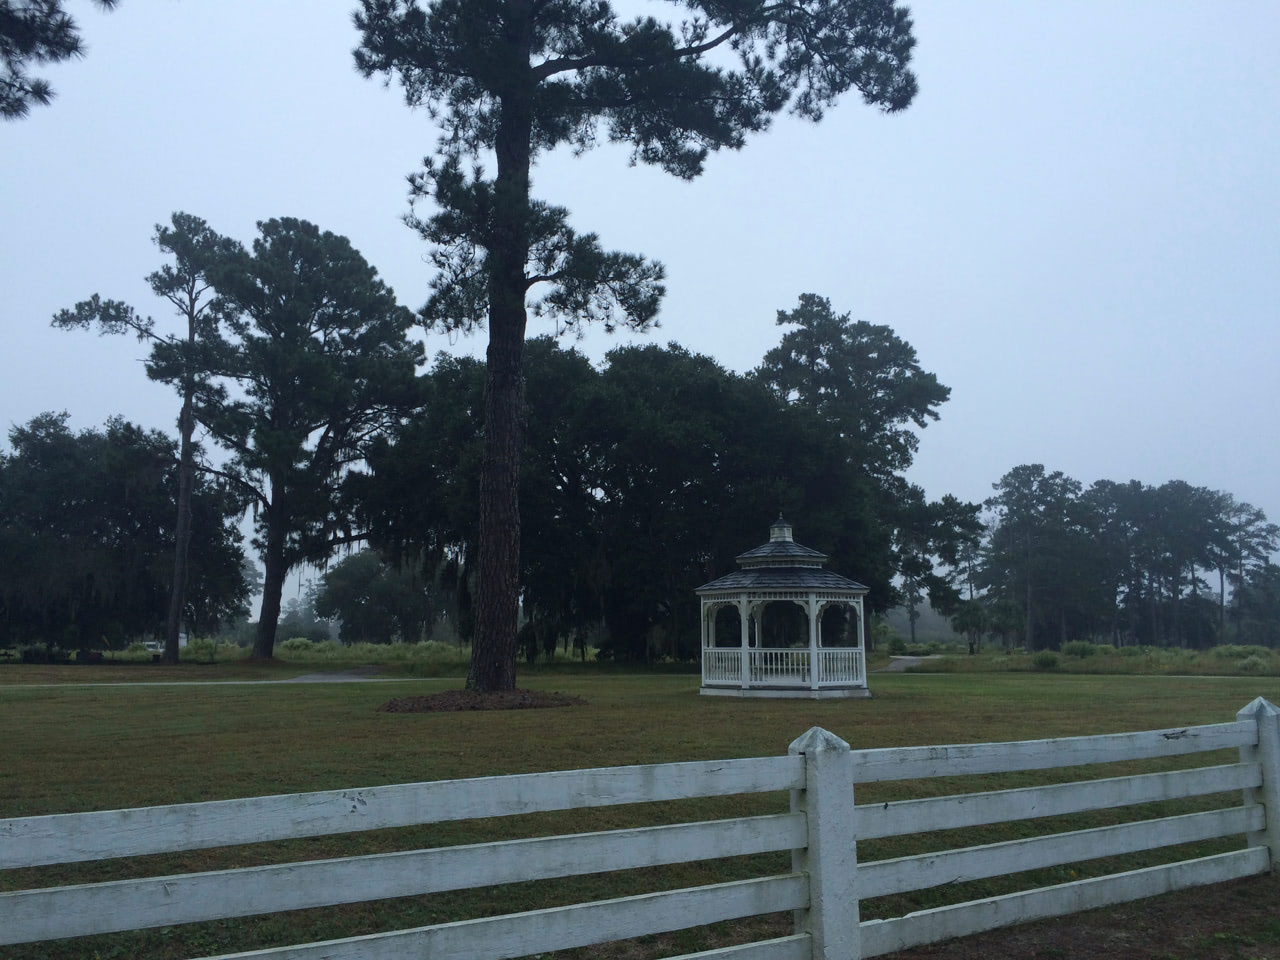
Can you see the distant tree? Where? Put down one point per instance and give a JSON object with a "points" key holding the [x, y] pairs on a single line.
{"points": [[316, 353], [866, 385], [521, 78], [86, 537], [861, 378], [193, 247], [1041, 556], [374, 601], [34, 32]]}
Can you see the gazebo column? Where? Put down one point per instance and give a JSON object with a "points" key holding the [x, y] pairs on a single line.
{"points": [[862, 642], [812, 606], [743, 615]]}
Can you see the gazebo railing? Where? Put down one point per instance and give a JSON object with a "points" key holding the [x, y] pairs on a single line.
{"points": [[841, 665], [722, 665], [783, 667]]}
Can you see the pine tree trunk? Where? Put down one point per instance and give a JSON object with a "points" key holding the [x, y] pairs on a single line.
{"points": [[182, 531], [264, 640], [493, 646]]}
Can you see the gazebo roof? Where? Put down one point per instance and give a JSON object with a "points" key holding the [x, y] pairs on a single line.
{"points": [[782, 564]]}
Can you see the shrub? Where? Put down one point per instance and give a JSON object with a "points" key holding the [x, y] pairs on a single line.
{"points": [[1130, 651], [201, 650], [1251, 664], [1079, 648], [297, 644], [897, 646], [1235, 651], [1045, 660]]}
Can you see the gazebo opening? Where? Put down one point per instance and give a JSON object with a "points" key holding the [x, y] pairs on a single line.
{"points": [[781, 626]]}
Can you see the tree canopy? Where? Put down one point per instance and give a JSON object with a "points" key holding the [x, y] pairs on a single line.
{"points": [[310, 363], [643, 478], [508, 81], [86, 537]]}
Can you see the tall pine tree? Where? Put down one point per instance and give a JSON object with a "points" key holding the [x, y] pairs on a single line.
{"points": [[510, 79]]}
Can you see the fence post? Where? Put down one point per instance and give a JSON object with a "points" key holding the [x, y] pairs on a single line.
{"points": [[1267, 752], [830, 856]]}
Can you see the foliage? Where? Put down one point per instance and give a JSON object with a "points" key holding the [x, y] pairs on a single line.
{"points": [[86, 537], [866, 387], [1124, 562], [641, 480], [373, 600], [183, 283], [34, 32], [1079, 648], [309, 363], [519, 80], [1045, 660]]}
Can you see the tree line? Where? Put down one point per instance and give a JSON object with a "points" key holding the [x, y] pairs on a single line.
{"points": [[640, 480], [1121, 563]]}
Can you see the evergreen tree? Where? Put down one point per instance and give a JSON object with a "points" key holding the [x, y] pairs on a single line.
{"points": [[194, 247], [34, 32], [512, 79], [317, 356]]}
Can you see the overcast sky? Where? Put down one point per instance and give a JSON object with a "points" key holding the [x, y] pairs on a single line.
{"points": [[1077, 224]]}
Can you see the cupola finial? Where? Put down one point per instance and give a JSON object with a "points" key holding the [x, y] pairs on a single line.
{"points": [[781, 530]]}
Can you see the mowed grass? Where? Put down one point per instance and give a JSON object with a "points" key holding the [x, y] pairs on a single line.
{"points": [[79, 748]]}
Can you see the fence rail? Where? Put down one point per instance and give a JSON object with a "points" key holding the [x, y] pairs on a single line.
{"points": [[821, 831]]}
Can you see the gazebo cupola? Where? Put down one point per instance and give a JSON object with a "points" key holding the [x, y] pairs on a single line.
{"points": [[756, 643]]}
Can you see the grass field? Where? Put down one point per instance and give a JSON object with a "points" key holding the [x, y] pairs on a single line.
{"points": [[83, 747]]}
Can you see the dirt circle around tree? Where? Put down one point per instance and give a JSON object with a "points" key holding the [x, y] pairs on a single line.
{"points": [[455, 700]]}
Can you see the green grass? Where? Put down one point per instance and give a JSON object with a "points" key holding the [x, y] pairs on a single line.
{"points": [[76, 748]]}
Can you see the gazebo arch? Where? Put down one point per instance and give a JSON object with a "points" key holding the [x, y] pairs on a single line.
{"points": [[760, 665]]}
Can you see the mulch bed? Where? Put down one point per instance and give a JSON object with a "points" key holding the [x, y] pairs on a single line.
{"points": [[450, 700]]}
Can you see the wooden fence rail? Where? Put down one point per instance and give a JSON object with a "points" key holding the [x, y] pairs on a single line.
{"points": [[823, 888]]}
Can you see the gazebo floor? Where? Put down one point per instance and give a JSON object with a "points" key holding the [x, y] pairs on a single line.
{"points": [[779, 692]]}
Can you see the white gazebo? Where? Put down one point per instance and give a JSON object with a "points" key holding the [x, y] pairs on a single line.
{"points": [[782, 626]]}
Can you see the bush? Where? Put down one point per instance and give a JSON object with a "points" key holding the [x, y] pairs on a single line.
{"points": [[1130, 651], [1045, 660], [897, 646], [1079, 648], [297, 644], [1235, 651], [201, 650], [1252, 664]]}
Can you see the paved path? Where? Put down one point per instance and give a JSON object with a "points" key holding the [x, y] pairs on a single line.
{"points": [[354, 675], [900, 664]]}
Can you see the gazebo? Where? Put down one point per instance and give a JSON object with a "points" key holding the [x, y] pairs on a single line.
{"points": [[782, 626]]}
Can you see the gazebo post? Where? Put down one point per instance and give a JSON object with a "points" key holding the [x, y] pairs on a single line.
{"points": [[744, 653], [812, 606], [862, 642]]}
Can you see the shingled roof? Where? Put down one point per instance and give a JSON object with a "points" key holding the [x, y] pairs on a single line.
{"points": [[781, 564]]}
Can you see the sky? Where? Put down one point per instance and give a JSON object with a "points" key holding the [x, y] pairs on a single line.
{"points": [[1076, 224]]}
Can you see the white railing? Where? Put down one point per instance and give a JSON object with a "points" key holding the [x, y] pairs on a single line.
{"points": [[839, 666], [722, 665], [779, 667], [821, 830]]}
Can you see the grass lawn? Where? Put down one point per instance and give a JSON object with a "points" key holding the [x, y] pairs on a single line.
{"points": [[71, 748]]}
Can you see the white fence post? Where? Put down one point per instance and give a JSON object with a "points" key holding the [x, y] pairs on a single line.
{"points": [[1267, 752], [830, 857]]}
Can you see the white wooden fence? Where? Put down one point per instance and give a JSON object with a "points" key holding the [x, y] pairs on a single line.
{"points": [[823, 887]]}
